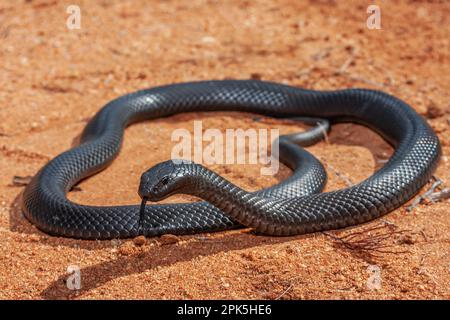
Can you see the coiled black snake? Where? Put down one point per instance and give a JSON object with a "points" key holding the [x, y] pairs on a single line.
{"points": [[294, 206]]}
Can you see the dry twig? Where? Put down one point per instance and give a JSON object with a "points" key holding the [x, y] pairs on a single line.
{"points": [[426, 195], [291, 285], [440, 195], [370, 241]]}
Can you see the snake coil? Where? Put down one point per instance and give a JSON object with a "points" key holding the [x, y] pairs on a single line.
{"points": [[294, 206]]}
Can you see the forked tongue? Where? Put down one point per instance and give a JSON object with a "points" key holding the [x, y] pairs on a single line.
{"points": [[142, 211]]}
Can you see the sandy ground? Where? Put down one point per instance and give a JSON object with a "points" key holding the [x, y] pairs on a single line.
{"points": [[53, 79]]}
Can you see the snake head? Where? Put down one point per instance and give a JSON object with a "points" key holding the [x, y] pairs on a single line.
{"points": [[164, 179]]}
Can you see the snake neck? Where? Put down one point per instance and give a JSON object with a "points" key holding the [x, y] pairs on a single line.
{"points": [[223, 194]]}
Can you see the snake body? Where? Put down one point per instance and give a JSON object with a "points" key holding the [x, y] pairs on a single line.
{"points": [[294, 206]]}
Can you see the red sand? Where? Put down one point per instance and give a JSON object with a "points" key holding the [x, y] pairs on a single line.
{"points": [[54, 79]]}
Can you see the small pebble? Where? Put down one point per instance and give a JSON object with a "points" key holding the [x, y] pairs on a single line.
{"points": [[407, 239], [34, 238], [433, 111], [168, 239], [139, 241]]}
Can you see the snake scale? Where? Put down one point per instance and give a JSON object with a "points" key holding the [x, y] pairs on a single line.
{"points": [[294, 206]]}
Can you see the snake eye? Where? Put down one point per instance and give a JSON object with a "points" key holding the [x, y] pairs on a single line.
{"points": [[164, 180], [161, 183]]}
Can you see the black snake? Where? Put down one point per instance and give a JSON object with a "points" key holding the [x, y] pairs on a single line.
{"points": [[295, 206]]}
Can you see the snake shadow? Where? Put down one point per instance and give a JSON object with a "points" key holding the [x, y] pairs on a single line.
{"points": [[158, 256]]}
